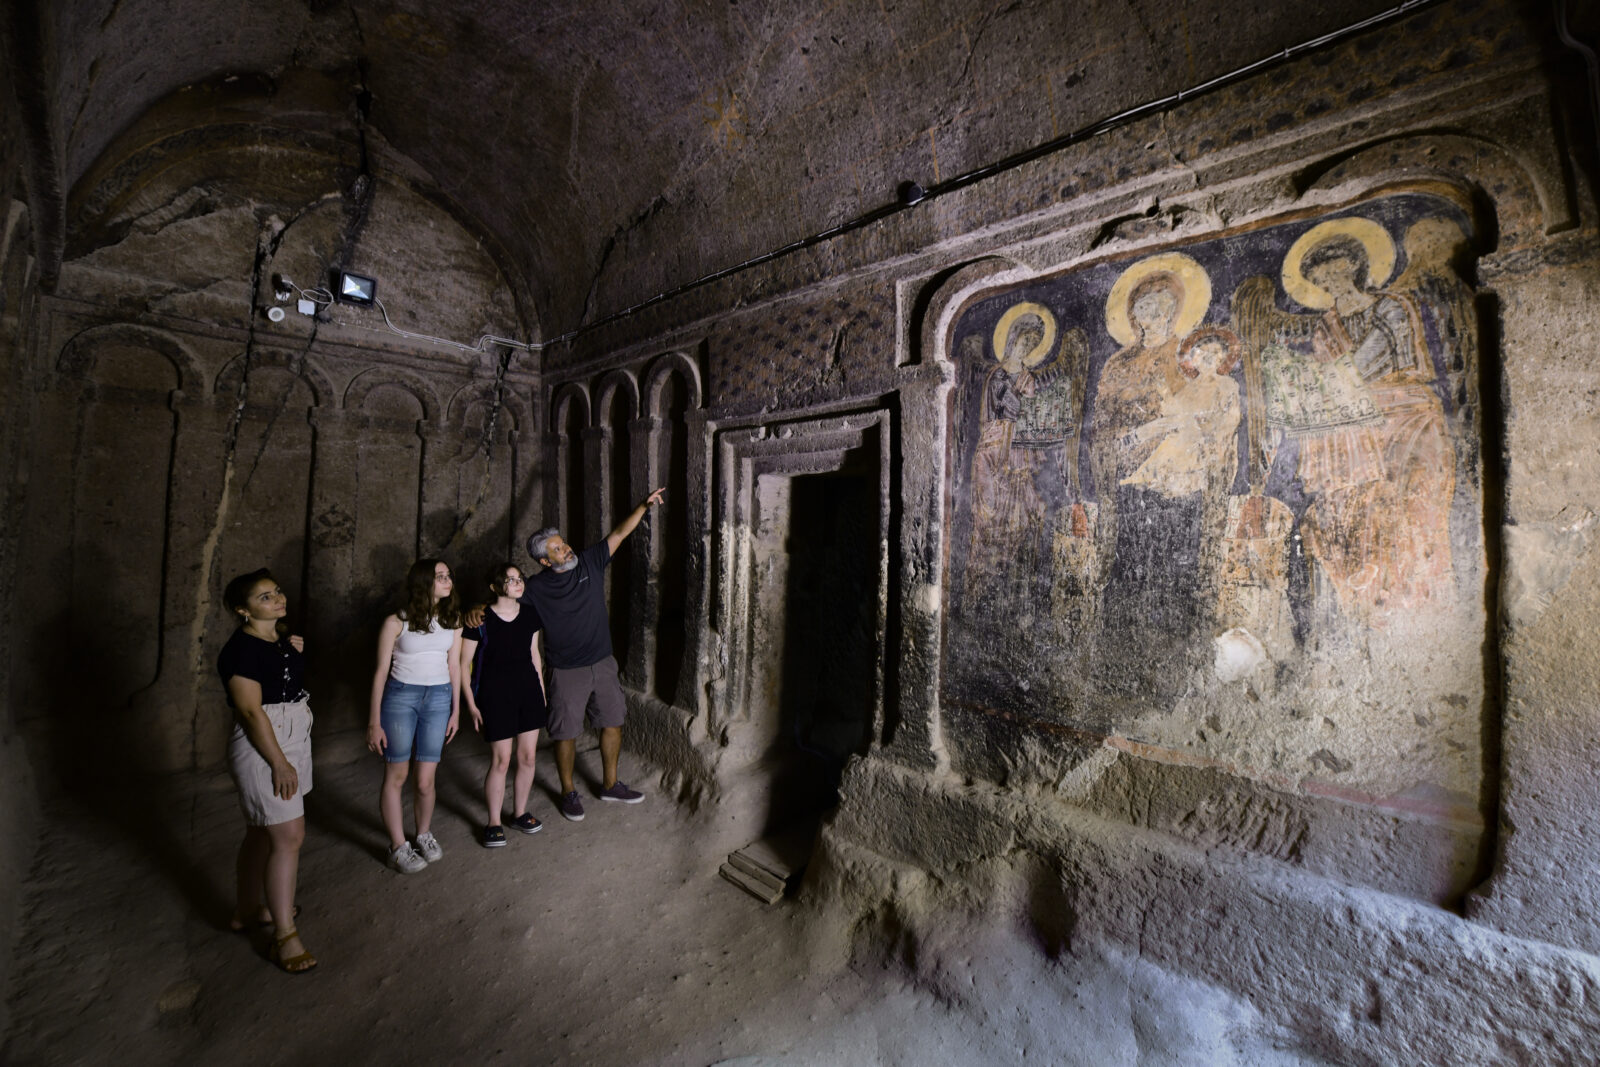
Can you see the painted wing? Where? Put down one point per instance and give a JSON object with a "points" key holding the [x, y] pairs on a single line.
{"points": [[1447, 304], [1258, 322]]}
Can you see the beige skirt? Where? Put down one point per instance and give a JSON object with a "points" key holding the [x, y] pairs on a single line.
{"points": [[253, 775]]}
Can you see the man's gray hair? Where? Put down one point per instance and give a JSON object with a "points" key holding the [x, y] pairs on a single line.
{"points": [[539, 543]]}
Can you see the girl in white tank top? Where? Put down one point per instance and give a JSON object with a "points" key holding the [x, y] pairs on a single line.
{"points": [[423, 659], [416, 705]]}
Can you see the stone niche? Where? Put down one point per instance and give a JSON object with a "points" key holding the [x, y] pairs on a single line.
{"points": [[803, 569], [1219, 505]]}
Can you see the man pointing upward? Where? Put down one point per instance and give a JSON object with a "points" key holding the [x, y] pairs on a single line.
{"points": [[569, 595]]}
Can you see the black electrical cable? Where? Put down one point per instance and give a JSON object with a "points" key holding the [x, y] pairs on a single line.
{"points": [[1011, 162]]}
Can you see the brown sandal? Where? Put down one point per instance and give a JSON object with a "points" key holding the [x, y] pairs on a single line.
{"points": [[300, 964]]}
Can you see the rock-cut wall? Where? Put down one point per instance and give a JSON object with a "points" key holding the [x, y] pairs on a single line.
{"points": [[1235, 509], [180, 435], [18, 303]]}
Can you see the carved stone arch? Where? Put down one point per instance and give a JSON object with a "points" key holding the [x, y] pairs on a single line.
{"points": [[1521, 199], [456, 408], [362, 385], [607, 388], [946, 293], [657, 376], [294, 363], [79, 354], [569, 393]]}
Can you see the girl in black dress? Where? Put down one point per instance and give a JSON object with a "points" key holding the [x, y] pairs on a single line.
{"points": [[506, 697], [269, 756]]}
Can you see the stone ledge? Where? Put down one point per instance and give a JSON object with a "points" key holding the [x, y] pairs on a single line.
{"points": [[1351, 971]]}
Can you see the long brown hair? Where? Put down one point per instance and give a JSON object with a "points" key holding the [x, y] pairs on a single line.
{"points": [[420, 609]]}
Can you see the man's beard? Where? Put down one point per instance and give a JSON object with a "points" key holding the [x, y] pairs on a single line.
{"points": [[562, 568]]}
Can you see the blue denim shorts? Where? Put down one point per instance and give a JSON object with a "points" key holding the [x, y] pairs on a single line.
{"points": [[414, 718]]}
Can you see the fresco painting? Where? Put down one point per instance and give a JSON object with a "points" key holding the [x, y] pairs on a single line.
{"points": [[1247, 465]]}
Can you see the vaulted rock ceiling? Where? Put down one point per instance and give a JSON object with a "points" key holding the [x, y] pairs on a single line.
{"points": [[609, 149]]}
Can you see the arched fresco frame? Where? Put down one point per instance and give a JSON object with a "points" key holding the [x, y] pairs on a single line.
{"points": [[1352, 177], [1090, 503]]}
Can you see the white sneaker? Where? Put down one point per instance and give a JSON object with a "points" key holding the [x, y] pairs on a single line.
{"points": [[428, 845], [406, 859]]}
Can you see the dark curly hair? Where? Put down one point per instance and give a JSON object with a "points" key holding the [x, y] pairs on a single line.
{"points": [[420, 610], [236, 594]]}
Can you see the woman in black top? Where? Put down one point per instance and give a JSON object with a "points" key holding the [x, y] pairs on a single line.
{"points": [[269, 756], [505, 697]]}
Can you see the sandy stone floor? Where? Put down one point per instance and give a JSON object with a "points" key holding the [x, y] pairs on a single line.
{"points": [[611, 941]]}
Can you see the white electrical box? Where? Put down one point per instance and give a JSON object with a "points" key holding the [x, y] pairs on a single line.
{"points": [[307, 307]]}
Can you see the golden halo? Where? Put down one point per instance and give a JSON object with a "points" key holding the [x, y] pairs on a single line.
{"points": [[1373, 237], [1002, 330], [1192, 279]]}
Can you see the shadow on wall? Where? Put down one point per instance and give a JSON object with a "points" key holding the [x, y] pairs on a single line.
{"points": [[342, 641], [108, 710], [97, 747]]}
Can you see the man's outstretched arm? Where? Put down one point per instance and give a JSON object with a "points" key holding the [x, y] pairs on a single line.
{"points": [[615, 538]]}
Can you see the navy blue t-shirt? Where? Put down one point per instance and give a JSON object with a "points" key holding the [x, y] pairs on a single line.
{"points": [[274, 665], [572, 607]]}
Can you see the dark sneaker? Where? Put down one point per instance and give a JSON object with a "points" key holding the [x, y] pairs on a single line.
{"points": [[494, 837], [572, 807], [621, 794], [527, 824]]}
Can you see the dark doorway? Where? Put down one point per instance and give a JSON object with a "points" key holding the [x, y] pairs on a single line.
{"points": [[829, 686]]}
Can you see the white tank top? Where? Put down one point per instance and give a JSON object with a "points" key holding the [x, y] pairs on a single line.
{"points": [[422, 659]]}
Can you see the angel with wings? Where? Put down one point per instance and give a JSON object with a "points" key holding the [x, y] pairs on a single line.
{"points": [[1355, 387]]}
